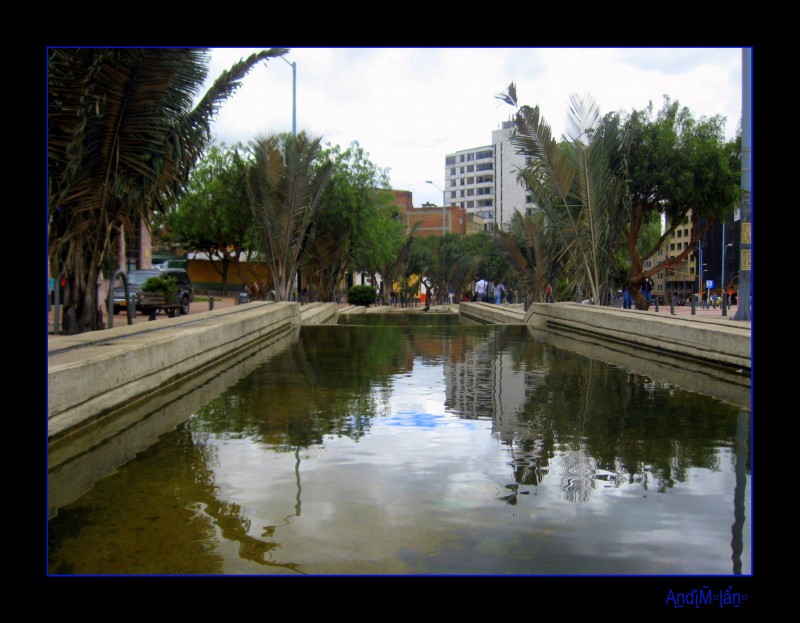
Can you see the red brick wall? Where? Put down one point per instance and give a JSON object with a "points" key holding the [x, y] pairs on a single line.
{"points": [[431, 220]]}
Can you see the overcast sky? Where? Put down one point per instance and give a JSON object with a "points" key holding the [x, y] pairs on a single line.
{"points": [[409, 107]]}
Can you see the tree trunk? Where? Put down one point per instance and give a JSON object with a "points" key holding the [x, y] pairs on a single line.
{"points": [[81, 311]]}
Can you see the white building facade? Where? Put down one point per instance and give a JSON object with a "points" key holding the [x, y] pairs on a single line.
{"points": [[483, 180]]}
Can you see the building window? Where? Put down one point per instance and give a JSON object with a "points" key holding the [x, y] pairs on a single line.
{"points": [[462, 158], [691, 270], [453, 194], [470, 204], [528, 198], [647, 264], [487, 166], [452, 182], [660, 275], [463, 181], [470, 180], [483, 154], [528, 161], [453, 171], [679, 233], [672, 246], [470, 168], [462, 194], [485, 190], [470, 192], [462, 171], [686, 232], [449, 160], [470, 157]]}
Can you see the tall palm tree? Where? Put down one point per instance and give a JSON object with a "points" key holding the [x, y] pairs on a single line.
{"points": [[285, 185], [530, 253], [577, 185], [122, 137]]}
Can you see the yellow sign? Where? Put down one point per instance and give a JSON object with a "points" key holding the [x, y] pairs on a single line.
{"points": [[744, 259], [745, 237]]}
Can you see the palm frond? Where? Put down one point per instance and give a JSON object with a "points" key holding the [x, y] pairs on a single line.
{"points": [[285, 186]]}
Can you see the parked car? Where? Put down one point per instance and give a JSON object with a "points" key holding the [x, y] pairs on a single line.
{"points": [[137, 278]]}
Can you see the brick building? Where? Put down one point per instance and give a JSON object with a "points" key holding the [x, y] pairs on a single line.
{"points": [[457, 220]]}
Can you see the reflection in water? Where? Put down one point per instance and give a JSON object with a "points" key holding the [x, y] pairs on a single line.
{"points": [[432, 449]]}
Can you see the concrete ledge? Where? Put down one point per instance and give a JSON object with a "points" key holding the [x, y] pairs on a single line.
{"points": [[711, 341], [79, 459], [90, 375], [319, 313], [489, 313]]}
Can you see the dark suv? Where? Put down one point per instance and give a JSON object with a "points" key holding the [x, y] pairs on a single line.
{"points": [[136, 279]]}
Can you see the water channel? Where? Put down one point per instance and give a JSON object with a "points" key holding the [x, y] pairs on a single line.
{"points": [[416, 445]]}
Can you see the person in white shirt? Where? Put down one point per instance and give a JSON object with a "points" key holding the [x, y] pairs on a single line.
{"points": [[481, 289]]}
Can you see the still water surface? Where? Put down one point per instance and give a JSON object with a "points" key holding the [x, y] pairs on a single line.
{"points": [[446, 449]]}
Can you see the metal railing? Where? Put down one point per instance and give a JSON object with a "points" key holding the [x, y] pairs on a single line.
{"points": [[131, 310]]}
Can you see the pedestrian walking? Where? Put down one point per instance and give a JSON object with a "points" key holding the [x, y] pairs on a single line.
{"points": [[499, 291], [482, 289]]}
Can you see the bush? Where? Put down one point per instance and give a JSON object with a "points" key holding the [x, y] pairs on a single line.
{"points": [[165, 286], [362, 295]]}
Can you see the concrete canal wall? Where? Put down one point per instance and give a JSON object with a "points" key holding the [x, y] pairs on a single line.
{"points": [[723, 342], [489, 313], [93, 374]]}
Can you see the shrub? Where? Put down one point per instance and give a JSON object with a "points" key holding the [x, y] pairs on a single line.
{"points": [[362, 295], [165, 286]]}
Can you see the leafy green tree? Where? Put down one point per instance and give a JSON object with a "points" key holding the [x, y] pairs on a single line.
{"points": [[356, 229], [455, 261], [675, 164], [214, 216], [123, 135], [397, 268], [490, 261], [285, 185]]}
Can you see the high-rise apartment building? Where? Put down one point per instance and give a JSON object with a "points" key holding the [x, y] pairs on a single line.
{"points": [[483, 180]]}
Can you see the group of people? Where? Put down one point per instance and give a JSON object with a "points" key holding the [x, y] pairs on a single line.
{"points": [[496, 291]]}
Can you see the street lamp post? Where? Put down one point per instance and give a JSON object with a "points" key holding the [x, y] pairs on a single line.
{"points": [[702, 283], [724, 248], [294, 95], [443, 204], [293, 65]]}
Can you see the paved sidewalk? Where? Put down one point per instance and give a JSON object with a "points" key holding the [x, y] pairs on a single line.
{"points": [[704, 314], [121, 319], [197, 307]]}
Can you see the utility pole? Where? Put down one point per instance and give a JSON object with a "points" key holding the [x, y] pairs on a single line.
{"points": [[745, 240]]}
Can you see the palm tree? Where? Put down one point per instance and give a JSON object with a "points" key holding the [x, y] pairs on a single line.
{"points": [[285, 185], [577, 186], [122, 137], [530, 252]]}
